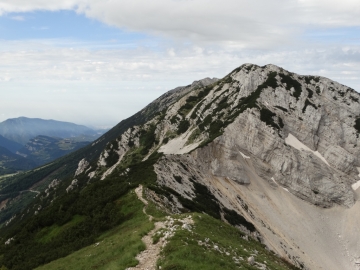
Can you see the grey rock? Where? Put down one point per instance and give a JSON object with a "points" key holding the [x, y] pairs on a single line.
{"points": [[251, 260]]}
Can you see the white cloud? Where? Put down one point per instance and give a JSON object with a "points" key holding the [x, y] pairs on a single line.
{"points": [[202, 39], [260, 23], [42, 80]]}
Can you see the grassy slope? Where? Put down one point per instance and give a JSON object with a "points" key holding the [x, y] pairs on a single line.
{"points": [[184, 252], [118, 247]]}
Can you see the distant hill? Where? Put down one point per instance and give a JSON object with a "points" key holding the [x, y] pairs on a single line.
{"points": [[9, 144], [22, 129], [10, 162], [44, 149]]}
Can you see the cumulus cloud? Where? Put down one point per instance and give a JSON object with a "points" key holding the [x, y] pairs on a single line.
{"points": [[202, 39], [42, 80], [260, 23], [172, 63]]}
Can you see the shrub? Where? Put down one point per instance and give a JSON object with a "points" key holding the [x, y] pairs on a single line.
{"points": [[267, 117], [290, 82]]}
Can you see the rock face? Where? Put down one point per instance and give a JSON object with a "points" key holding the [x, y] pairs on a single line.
{"points": [[83, 164], [273, 152], [319, 114], [293, 144]]}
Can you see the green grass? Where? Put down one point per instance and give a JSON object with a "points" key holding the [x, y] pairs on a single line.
{"points": [[154, 211], [117, 248], [184, 252], [48, 233], [194, 135]]}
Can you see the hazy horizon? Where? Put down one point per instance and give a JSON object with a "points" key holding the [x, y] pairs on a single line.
{"points": [[96, 63]]}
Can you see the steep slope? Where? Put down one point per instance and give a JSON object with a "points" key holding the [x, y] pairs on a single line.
{"points": [[11, 188], [280, 137], [271, 152], [22, 129]]}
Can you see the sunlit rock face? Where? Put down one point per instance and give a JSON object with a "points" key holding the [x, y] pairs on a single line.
{"points": [[289, 158], [280, 149]]}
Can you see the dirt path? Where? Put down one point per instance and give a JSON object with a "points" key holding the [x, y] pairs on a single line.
{"points": [[148, 257]]}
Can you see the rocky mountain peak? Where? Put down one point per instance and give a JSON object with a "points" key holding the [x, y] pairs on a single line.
{"points": [[300, 129], [258, 136], [274, 153]]}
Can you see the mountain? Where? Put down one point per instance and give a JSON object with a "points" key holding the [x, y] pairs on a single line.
{"points": [[22, 129], [44, 149], [12, 163], [272, 153], [10, 145]]}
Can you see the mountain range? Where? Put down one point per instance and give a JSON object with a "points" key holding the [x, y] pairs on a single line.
{"points": [[257, 170], [22, 129], [38, 141]]}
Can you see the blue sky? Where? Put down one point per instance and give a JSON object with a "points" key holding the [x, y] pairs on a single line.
{"points": [[98, 62], [65, 24]]}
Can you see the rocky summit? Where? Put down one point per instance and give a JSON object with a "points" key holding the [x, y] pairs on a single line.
{"points": [[273, 153]]}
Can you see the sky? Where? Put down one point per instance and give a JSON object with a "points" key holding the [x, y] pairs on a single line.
{"points": [[96, 62]]}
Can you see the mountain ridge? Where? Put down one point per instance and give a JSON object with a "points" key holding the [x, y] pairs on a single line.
{"points": [[269, 151], [22, 129]]}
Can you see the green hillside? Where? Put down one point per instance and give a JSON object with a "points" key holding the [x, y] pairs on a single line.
{"points": [[44, 149]]}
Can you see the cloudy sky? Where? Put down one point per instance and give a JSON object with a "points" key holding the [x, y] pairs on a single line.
{"points": [[96, 62]]}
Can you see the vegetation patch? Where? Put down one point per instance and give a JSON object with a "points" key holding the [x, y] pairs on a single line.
{"points": [[281, 123], [354, 98], [147, 139], [310, 93], [100, 207], [49, 233], [267, 116], [194, 114], [205, 122], [235, 219], [290, 82], [221, 105], [116, 248], [213, 245], [194, 135], [183, 126], [314, 78], [210, 104], [112, 157], [227, 79], [308, 103], [178, 178], [190, 103], [341, 93], [281, 108], [357, 125], [203, 202], [174, 119]]}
